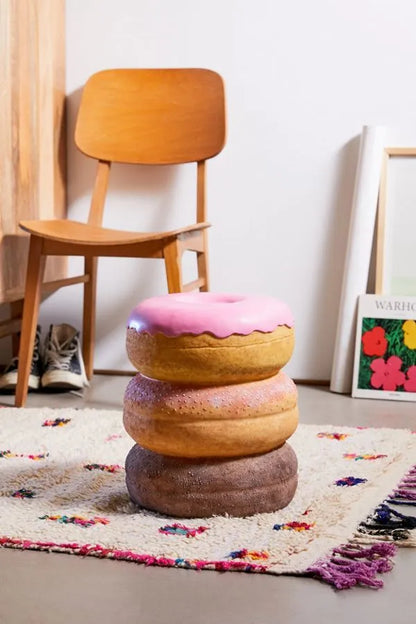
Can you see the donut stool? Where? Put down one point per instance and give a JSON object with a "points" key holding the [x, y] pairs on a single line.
{"points": [[209, 338], [213, 421], [210, 409], [191, 488]]}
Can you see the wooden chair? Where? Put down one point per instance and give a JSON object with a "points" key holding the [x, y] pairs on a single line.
{"points": [[134, 116]]}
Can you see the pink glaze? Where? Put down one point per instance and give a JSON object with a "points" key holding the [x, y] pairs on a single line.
{"points": [[219, 314]]}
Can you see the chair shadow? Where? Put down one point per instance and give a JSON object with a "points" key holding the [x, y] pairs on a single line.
{"points": [[70, 486]]}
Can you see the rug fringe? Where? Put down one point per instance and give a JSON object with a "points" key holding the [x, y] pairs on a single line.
{"points": [[368, 552], [396, 501], [389, 523], [352, 564], [405, 493], [360, 538]]}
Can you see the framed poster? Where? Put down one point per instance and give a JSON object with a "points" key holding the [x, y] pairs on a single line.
{"points": [[385, 348]]}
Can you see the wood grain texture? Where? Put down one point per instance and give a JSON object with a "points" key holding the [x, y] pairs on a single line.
{"points": [[88, 312], [75, 232], [381, 223], [36, 269], [152, 116], [32, 131], [400, 151]]}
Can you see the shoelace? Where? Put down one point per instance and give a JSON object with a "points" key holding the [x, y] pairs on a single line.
{"points": [[14, 362], [60, 356]]}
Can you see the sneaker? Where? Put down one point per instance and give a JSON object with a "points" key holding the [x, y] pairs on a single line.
{"points": [[8, 380], [62, 359]]}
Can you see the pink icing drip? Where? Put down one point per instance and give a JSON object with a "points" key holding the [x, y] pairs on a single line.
{"points": [[220, 314]]}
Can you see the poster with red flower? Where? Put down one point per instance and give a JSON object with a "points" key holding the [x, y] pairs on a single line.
{"points": [[385, 352]]}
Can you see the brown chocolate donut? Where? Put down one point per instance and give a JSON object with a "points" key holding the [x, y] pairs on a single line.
{"points": [[192, 488]]}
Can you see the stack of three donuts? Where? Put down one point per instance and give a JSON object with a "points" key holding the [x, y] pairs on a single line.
{"points": [[210, 409]]}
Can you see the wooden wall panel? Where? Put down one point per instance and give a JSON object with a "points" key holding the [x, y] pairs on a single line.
{"points": [[32, 131]]}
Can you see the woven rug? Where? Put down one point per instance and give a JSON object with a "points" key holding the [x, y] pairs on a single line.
{"points": [[62, 488]]}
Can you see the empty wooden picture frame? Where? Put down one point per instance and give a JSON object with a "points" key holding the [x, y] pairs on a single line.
{"points": [[396, 223]]}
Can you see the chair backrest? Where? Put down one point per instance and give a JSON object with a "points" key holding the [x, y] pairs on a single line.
{"points": [[152, 116]]}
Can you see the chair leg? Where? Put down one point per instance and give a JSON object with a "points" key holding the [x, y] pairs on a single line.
{"points": [[202, 262], [88, 320], [34, 276], [172, 253]]}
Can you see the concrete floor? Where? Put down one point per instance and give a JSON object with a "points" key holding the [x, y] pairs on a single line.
{"points": [[50, 588]]}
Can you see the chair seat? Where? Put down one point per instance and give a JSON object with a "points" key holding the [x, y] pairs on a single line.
{"points": [[82, 233]]}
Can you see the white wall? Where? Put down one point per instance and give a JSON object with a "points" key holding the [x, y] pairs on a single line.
{"points": [[302, 78]]}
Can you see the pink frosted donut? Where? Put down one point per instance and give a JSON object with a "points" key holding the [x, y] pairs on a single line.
{"points": [[210, 338], [211, 421]]}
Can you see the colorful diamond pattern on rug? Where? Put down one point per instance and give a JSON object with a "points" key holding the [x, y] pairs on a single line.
{"points": [[104, 467], [113, 436], [9, 455], [23, 493], [332, 435], [349, 481], [367, 456], [78, 520], [294, 526], [251, 555], [68, 497], [181, 529], [57, 422]]}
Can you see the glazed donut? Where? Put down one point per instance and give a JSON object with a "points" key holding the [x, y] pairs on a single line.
{"points": [[190, 489], [209, 338], [211, 421]]}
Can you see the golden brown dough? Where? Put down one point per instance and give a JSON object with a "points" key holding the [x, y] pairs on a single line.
{"points": [[206, 360], [212, 421]]}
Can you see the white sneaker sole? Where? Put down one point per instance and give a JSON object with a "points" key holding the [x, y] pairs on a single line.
{"points": [[8, 381], [62, 379]]}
